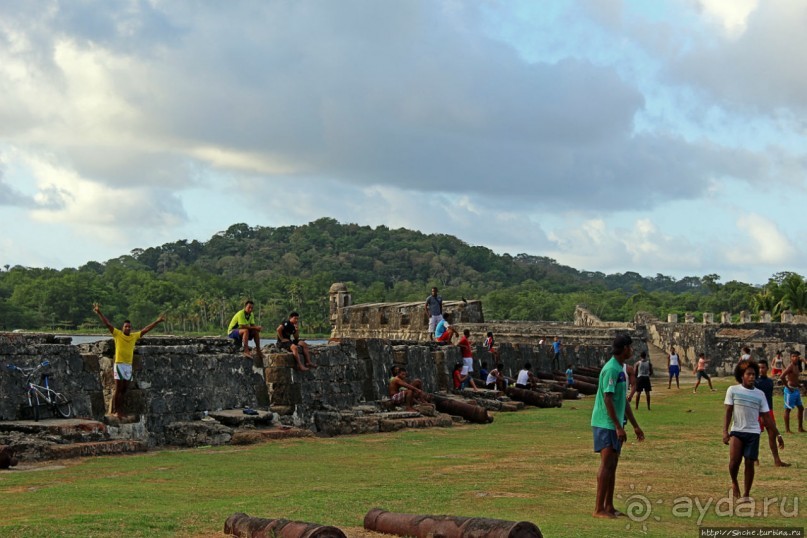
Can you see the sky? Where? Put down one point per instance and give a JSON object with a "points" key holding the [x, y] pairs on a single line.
{"points": [[656, 137]]}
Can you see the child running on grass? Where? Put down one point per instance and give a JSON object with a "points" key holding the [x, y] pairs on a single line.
{"points": [[745, 406]]}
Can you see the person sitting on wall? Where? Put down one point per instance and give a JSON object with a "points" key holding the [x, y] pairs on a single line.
{"points": [[243, 328], [444, 332], [288, 338], [483, 371], [496, 379], [403, 392], [526, 380], [462, 377]]}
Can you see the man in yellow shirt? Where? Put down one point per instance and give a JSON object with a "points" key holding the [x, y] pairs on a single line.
{"points": [[124, 354], [242, 329]]}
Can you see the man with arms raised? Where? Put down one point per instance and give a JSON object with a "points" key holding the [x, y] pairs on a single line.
{"points": [[124, 354], [610, 408]]}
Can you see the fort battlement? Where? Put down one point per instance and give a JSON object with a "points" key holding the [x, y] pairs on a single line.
{"points": [[587, 337]]}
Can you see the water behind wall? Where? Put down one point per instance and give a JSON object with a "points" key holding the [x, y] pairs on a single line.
{"points": [[90, 338]]}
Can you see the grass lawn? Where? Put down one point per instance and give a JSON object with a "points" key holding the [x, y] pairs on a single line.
{"points": [[535, 465]]}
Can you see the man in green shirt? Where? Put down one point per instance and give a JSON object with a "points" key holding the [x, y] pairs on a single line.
{"points": [[607, 420], [243, 329]]}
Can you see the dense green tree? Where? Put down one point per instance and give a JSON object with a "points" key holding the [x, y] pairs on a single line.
{"points": [[201, 284]]}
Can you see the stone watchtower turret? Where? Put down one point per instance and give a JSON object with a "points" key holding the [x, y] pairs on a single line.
{"points": [[339, 298]]}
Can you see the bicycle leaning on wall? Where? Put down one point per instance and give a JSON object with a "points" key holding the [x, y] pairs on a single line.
{"points": [[40, 395]]}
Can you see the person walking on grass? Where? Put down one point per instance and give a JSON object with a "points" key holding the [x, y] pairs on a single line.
{"points": [[700, 372], [124, 340], [765, 384], [673, 367], [745, 406], [644, 369], [610, 409]]}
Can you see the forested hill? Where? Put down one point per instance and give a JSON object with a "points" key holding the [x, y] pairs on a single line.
{"points": [[201, 284]]}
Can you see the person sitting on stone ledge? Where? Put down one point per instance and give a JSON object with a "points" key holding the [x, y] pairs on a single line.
{"points": [[462, 377], [444, 332], [242, 329], [496, 379], [526, 380], [483, 371], [403, 392], [124, 355], [288, 337]]}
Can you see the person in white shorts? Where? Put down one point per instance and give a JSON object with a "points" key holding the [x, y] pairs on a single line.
{"points": [[124, 355]]}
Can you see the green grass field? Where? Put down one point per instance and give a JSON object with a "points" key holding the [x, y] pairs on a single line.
{"points": [[535, 465]]}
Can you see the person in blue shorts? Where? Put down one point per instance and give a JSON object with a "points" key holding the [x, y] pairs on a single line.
{"points": [[610, 409], [673, 367], [745, 406], [790, 379]]}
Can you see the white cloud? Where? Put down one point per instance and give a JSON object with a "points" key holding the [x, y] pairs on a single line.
{"points": [[731, 15], [768, 245]]}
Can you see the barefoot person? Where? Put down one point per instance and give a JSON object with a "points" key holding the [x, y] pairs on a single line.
{"points": [[610, 408], [288, 337], [673, 367], [644, 369], [402, 392], [700, 372], [242, 329], [745, 405], [124, 354], [790, 379], [765, 384]]}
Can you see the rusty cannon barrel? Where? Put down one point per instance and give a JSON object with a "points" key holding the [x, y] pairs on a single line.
{"points": [[245, 526], [421, 526], [579, 377], [470, 412], [584, 388], [589, 371], [538, 399]]}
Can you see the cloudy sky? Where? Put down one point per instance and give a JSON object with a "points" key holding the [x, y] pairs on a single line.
{"points": [[657, 137]]}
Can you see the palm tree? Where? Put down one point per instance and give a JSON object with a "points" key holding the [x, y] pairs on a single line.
{"points": [[794, 294]]}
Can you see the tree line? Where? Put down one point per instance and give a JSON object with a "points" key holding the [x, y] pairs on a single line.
{"points": [[200, 285]]}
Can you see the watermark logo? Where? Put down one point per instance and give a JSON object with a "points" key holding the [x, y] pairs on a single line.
{"points": [[641, 508]]}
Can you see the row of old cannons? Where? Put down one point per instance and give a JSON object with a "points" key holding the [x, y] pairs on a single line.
{"points": [[377, 520]]}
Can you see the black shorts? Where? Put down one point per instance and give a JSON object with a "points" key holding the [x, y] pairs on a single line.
{"points": [[643, 384], [285, 345], [750, 443]]}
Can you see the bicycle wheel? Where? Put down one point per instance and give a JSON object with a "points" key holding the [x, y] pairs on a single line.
{"points": [[33, 401], [62, 405]]}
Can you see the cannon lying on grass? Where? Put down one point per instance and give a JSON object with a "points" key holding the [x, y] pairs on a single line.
{"points": [[468, 411], [245, 526], [538, 399], [421, 526]]}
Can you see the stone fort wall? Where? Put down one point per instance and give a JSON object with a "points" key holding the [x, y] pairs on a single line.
{"points": [[177, 379]]}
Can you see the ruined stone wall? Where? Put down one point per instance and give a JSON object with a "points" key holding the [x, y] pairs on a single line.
{"points": [[70, 373], [177, 379], [723, 343], [403, 321]]}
